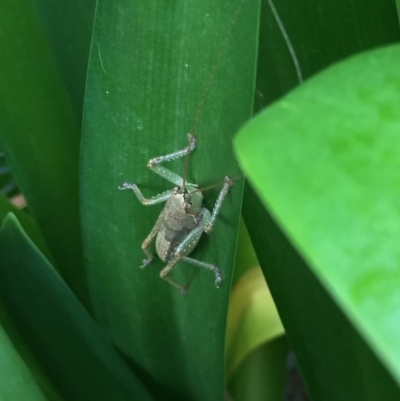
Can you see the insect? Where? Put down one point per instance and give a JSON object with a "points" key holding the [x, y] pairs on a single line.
{"points": [[182, 221], [185, 218]]}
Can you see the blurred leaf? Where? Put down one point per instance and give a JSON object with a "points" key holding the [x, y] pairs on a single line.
{"points": [[40, 135], [29, 225], [325, 32], [68, 25], [332, 182], [141, 100], [261, 375], [30, 360], [8, 185], [317, 42], [246, 257], [77, 356], [252, 318], [16, 382]]}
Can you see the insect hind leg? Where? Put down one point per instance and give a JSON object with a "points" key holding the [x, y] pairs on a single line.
{"points": [[205, 265]]}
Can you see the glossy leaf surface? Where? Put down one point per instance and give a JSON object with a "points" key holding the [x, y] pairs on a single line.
{"points": [[332, 183], [147, 75], [313, 322]]}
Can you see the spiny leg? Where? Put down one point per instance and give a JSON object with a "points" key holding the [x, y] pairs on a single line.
{"points": [[169, 175], [204, 265], [152, 201], [209, 219], [146, 243], [147, 202], [164, 275], [184, 248], [189, 244]]}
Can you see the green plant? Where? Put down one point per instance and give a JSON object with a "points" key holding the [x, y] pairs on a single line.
{"points": [[80, 319]]}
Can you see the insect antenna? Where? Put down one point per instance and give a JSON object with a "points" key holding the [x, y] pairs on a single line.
{"points": [[185, 168], [203, 98]]}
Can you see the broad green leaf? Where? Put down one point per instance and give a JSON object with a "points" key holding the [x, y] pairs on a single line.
{"points": [[318, 42], [252, 318], [77, 356], [332, 182], [147, 75], [40, 135], [16, 382]]}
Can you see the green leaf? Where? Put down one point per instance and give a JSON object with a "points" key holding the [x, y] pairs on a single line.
{"points": [[29, 225], [312, 320], [142, 98], [25, 353], [332, 182], [252, 318], [320, 34], [8, 186], [246, 257], [68, 25], [40, 135], [16, 382], [77, 356], [261, 376]]}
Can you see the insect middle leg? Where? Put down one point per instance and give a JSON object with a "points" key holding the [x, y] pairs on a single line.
{"points": [[169, 175], [146, 243]]}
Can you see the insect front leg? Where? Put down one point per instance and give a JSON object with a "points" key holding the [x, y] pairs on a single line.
{"points": [[209, 219], [147, 202], [169, 175]]}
